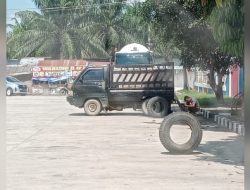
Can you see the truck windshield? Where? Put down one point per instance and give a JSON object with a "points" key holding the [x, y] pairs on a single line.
{"points": [[133, 58]]}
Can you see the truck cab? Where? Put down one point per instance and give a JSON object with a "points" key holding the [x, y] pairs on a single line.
{"points": [[91, 83]]}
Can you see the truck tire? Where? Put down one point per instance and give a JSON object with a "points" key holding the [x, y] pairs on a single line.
{"points": [[157, 107], [9, 92], [144, 106], [180, 117], [92, 107]]}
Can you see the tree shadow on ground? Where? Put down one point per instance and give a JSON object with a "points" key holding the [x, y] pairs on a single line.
{"points": [[226, 151]]}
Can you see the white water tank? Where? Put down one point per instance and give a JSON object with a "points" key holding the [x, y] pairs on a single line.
{"points": [[134, 48]]}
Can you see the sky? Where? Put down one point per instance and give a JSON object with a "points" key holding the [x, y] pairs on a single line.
{"points": [[14, 6], [18, 5]]}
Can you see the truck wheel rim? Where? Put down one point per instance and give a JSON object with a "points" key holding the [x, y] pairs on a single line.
{"points": [[92, 107], [157, 107]]}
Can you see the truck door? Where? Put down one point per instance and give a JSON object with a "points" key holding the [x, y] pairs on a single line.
{"points": [[91, 84], [91, 81]]}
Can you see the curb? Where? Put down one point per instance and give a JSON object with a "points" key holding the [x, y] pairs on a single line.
{"points": [[223, 121]]}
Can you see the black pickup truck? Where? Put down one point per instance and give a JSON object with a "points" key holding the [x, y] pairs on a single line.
{"points": [[115, 87]]}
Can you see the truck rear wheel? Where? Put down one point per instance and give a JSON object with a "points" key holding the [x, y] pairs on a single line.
{"points": [[92, 107], [180, 119], [157, 106]]}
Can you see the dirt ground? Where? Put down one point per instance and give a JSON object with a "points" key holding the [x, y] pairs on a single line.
{"points": [[52, 145]]}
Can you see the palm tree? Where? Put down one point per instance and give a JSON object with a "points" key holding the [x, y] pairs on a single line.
{"points": [[65, 29], [114, 25], [52, 35], [113, 22]]}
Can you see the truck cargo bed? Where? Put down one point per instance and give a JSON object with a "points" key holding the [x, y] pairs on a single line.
{"points": [[142, 77]]}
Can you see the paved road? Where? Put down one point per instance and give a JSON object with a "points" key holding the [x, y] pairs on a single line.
{"points": [[52, 145]]}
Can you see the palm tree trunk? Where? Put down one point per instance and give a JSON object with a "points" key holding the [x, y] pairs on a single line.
{"points": [[185, 78], [217, 88], [61, 48]]}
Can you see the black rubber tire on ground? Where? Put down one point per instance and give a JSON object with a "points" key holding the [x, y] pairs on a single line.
{"points": [[157, 107], [180, 117], [144, 106], [9, 92], [92, 107]]}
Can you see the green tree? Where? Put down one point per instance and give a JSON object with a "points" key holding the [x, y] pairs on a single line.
{"points": [[177, 22], [52, 35], [114, 25], [73, 29], [185, 23], [227, 23]]}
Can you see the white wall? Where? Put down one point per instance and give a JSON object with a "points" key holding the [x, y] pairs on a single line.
{"points": [[178, 77]]}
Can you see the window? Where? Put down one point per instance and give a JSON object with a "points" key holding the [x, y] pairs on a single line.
{"points": [[96, 74], [12, 79], [133, 58]]}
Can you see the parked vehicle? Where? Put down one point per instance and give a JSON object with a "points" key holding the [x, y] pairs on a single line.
{"points": [[51, 85], [115, 87], [15, 86]]}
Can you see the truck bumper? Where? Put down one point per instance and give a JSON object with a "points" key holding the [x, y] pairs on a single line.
{"points": [[70, 99]]}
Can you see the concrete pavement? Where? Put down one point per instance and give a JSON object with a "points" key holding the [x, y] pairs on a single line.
{"points": [[52, 145]]}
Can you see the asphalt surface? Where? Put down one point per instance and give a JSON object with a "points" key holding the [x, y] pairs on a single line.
{"points": [[52, 145]]}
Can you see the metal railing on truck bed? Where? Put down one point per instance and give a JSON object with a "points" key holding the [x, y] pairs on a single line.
{"points": [[150, 76]]}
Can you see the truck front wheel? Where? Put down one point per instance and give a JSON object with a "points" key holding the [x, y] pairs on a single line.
{"points": [[92, 107], [157, 107]]}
